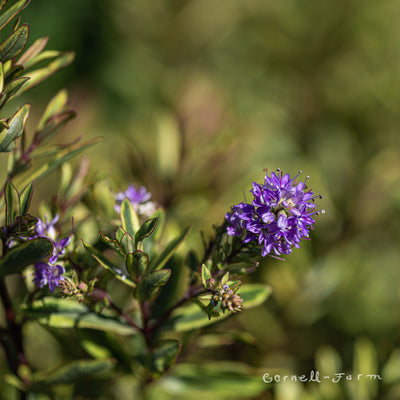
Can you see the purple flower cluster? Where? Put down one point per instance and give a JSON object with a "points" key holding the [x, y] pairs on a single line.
{"points": [[138, 197], [47, 274], [50, 273], [47, 229], [279, 216]]}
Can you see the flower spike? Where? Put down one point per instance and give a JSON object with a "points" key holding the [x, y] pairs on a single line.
{"points": [[279, 215]]}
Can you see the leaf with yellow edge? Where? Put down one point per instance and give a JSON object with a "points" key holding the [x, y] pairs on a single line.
{"points": [[14, 44], [108, 265], [16, 125], [60, 159], [41, 74], [9, 14]]}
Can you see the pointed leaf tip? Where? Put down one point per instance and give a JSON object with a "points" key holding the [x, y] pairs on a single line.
{"points": [[161, 259], [146, 229], [129, 218], [149, 285]]}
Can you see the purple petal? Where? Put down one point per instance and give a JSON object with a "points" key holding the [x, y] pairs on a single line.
{"points": [[282, 221], [268, 217], [65, 242]]}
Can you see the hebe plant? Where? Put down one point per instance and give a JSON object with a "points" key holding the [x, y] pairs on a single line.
{"points": [[66, 278]]}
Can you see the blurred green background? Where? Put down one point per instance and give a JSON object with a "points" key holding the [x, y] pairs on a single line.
{"points": [[194, 98]]}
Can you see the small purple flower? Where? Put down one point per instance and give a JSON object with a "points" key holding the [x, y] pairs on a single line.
{"points": [[47, 230], [279, 216], [46, 274], [138, 197], [59, 249]]}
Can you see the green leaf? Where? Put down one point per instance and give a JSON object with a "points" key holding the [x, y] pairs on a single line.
{"points": [[149, 285], [210, 310], [205, 275], [56, 105], [11, 197], [129, 218], [25, 198], [108, 265], [104, 345], [61, 313], [23, 223], [225, 278], [160, 215], [168, 145], [111, 242], [33, 50], [55, 116], [125, 241], [15, 382], [16, 125], [161, 259], [41, 74], [254, 294], [136, 264], [192, 261], [3, 124], [65, 179], [146, 229], [103, 323], [60, 159], [11, 89], [119, 234], [70, 372], [365, 358], [95, 343], [9, 14], [211, 380], [13, 73], [42, 57], [14, 44], [27, 253], [55, 123], [192, 316], [164, 356], [225, 338], [2, 4], [1, 77], [391, 369], [16, 24]]}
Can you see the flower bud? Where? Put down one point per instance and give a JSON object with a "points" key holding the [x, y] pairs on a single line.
{"points": [[210, 283]]}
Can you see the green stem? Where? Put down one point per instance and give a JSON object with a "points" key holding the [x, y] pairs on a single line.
{"points": [[147, 330], [195, 291], [100, 295], [190, 294], [127, 318]]}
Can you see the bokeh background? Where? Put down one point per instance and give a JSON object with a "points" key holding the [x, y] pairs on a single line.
{"points": [[194, 98]]}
